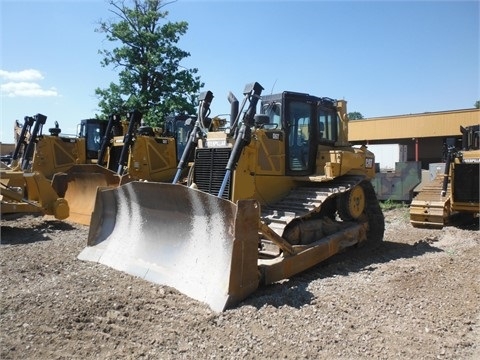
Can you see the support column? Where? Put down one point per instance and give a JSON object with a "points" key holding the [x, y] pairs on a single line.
{"points": [[416, 149]]}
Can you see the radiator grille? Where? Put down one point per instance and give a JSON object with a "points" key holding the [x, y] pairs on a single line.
{"points": [[466, 180], [210, 164]]}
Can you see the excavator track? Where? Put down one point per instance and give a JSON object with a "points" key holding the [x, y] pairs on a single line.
{"points": [[429, 209], [309, 201]]}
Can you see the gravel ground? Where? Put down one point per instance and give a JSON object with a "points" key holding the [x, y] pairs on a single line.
{"points": [[417, 296]]}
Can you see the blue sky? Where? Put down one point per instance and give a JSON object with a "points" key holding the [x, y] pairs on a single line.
{"points": [[383, 57]]}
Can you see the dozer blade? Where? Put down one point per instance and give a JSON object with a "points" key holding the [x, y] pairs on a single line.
{"points": [[204, 246], [79, 186]]}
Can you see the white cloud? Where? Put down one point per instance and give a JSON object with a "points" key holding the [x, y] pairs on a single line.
{"points": [[24, 83], [24, 75], [27, 89]]}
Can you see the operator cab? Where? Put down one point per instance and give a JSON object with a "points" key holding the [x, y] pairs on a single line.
{"points": [[307, 122], [179, 128], [93, 130]]}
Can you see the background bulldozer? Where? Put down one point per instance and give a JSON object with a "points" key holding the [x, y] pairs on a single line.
{"points": [[64, 165], [452, 197], [24, 190], [144, 152], [103, 153], [270, 195]]}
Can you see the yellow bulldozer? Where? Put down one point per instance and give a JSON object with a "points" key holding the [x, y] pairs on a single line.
{"points": [[102, 153], [58, 175], [452, 197], [146, 153], [65, 165], [24, 190], [268, 196]]}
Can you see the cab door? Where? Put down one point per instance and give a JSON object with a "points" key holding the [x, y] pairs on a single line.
{"points": [[299, 122]]}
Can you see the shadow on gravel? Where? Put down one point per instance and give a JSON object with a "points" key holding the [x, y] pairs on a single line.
{"points": [[293, 292], [364, 258], [287, 293], [466, 223], [13, 235]]}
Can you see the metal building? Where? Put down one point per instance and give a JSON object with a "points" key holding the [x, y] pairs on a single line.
{"points": [[426, 134]]}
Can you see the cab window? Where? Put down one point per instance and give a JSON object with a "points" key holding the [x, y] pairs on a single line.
{"points": [[328, 127]]}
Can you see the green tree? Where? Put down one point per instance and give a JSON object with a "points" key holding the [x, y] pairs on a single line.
{"points": [[477, 104], [355, 115], [150, 77]]}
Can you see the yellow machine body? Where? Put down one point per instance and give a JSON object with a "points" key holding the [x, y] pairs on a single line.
{"points": [[54, 154], [23, 193], [452, 197], [72, 163], [153, 159], [270, 197]]}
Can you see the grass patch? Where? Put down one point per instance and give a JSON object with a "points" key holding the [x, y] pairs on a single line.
{"points": [[392, 204]]}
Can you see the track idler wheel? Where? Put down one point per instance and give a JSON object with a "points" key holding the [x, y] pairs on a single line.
{"points": [[351, 204]]}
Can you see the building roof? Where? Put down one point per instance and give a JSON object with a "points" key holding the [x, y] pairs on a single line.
{"points": [[429, 124]]}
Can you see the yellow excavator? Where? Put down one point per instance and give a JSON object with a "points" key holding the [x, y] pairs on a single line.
{"points": [[269, 196], [452, 197]]}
